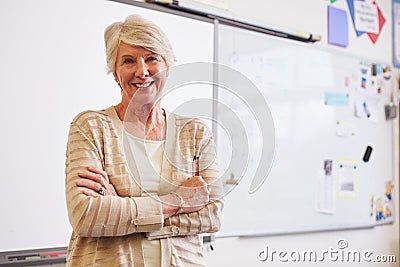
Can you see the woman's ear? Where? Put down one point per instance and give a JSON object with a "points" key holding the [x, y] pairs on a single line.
{"points": [[116, 77], [118, 82]]}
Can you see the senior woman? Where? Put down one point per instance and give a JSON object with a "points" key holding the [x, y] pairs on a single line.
{"points": [[132, 196]]}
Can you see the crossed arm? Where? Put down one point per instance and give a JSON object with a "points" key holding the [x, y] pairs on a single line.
{"points": [[92, 214]]}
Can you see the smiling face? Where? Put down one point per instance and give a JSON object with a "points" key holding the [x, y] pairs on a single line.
{"points": [[135, 70]]}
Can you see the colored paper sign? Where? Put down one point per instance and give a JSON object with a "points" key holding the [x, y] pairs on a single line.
{"points": [[337, 27], [350, 3], [366, 17], [336, 99], [381, 21]]}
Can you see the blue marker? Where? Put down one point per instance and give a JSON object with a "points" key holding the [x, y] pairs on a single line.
{"points": [[366, 109]]}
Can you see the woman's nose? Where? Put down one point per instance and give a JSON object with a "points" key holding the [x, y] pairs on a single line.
{"points": [[142, 70]]}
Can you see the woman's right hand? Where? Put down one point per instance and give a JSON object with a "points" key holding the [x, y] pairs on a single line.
{"points": [[194, 193]]}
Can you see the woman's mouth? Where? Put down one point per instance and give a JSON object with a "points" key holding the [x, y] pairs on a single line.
{"points": [[143, 85]]}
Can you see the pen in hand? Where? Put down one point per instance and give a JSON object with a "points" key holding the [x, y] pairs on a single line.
{"points": [[195, 166]]}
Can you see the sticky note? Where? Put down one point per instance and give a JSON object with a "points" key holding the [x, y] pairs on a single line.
{"points": [[338, 29], [336, 99]]}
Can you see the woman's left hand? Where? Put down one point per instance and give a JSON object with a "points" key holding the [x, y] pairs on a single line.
{"points": [[96, 183]]}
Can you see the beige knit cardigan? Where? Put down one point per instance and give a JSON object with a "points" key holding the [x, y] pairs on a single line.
{"points": [[107, 230]]}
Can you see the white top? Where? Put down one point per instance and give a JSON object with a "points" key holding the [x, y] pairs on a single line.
{"points": [[148, 155]]}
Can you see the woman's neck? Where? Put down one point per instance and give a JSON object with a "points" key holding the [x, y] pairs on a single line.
{"points": [[143, 121]]}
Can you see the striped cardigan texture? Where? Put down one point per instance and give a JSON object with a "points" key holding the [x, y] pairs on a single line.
{"points": [[107, 230]]}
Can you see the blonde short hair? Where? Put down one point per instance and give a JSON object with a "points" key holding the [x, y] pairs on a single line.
{"points": [[137, 31]]}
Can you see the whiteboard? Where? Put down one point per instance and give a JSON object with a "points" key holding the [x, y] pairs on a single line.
{"points": [[316, 99], [53, 67]]}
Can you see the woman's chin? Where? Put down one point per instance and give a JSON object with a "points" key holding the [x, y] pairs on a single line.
{"points": [[145, 97]]}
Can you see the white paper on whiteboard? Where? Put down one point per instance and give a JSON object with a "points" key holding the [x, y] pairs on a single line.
{"points": [[326, 201], [366, 17]]}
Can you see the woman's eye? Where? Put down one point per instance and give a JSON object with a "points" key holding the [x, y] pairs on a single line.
{"points": [[128, 61], [152, 59]]}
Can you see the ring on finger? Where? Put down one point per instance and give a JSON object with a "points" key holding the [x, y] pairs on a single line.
{"points": [[102, 191]]}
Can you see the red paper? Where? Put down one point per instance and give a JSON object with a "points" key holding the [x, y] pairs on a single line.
{"points": [[381, 20]]}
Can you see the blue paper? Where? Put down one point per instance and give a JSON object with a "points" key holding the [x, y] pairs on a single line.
{"points": [[338, 28], [350, 3], [336, 99]]}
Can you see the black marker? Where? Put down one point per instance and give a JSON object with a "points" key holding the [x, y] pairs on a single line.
{"points": [[367, 154]]}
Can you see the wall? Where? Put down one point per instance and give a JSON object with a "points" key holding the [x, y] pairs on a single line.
{"points": [[311, 16], [53, 67]]}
